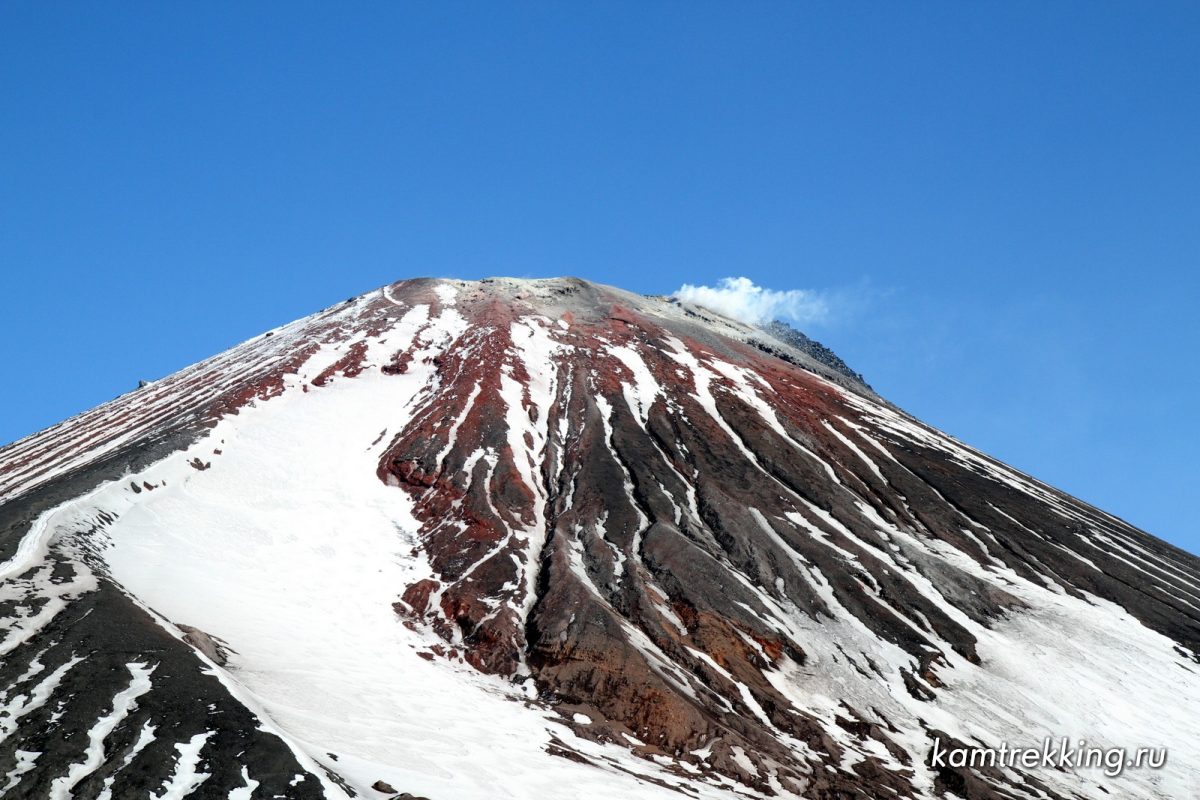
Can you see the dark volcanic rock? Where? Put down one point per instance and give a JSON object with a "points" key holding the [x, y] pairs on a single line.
{"points": [[811, 347]]}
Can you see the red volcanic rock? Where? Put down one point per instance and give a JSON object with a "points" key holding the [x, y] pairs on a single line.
{"points": [[348, 365], [416, 596]]}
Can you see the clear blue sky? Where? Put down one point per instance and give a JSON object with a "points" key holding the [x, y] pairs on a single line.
{"points": [[1000, 200]]}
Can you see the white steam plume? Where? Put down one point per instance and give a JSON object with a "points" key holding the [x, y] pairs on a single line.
{"points": [[742, 299]]}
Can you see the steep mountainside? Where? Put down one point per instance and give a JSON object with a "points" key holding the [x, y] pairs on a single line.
{"points": [[547, 538]]}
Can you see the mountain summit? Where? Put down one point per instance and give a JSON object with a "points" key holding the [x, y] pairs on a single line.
{"points": [[525, 538]]}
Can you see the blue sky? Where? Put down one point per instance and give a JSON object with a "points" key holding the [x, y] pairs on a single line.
{"points": [[998, 203]]}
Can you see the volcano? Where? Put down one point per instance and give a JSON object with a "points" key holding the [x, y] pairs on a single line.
{"points": [[546, 538]]}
